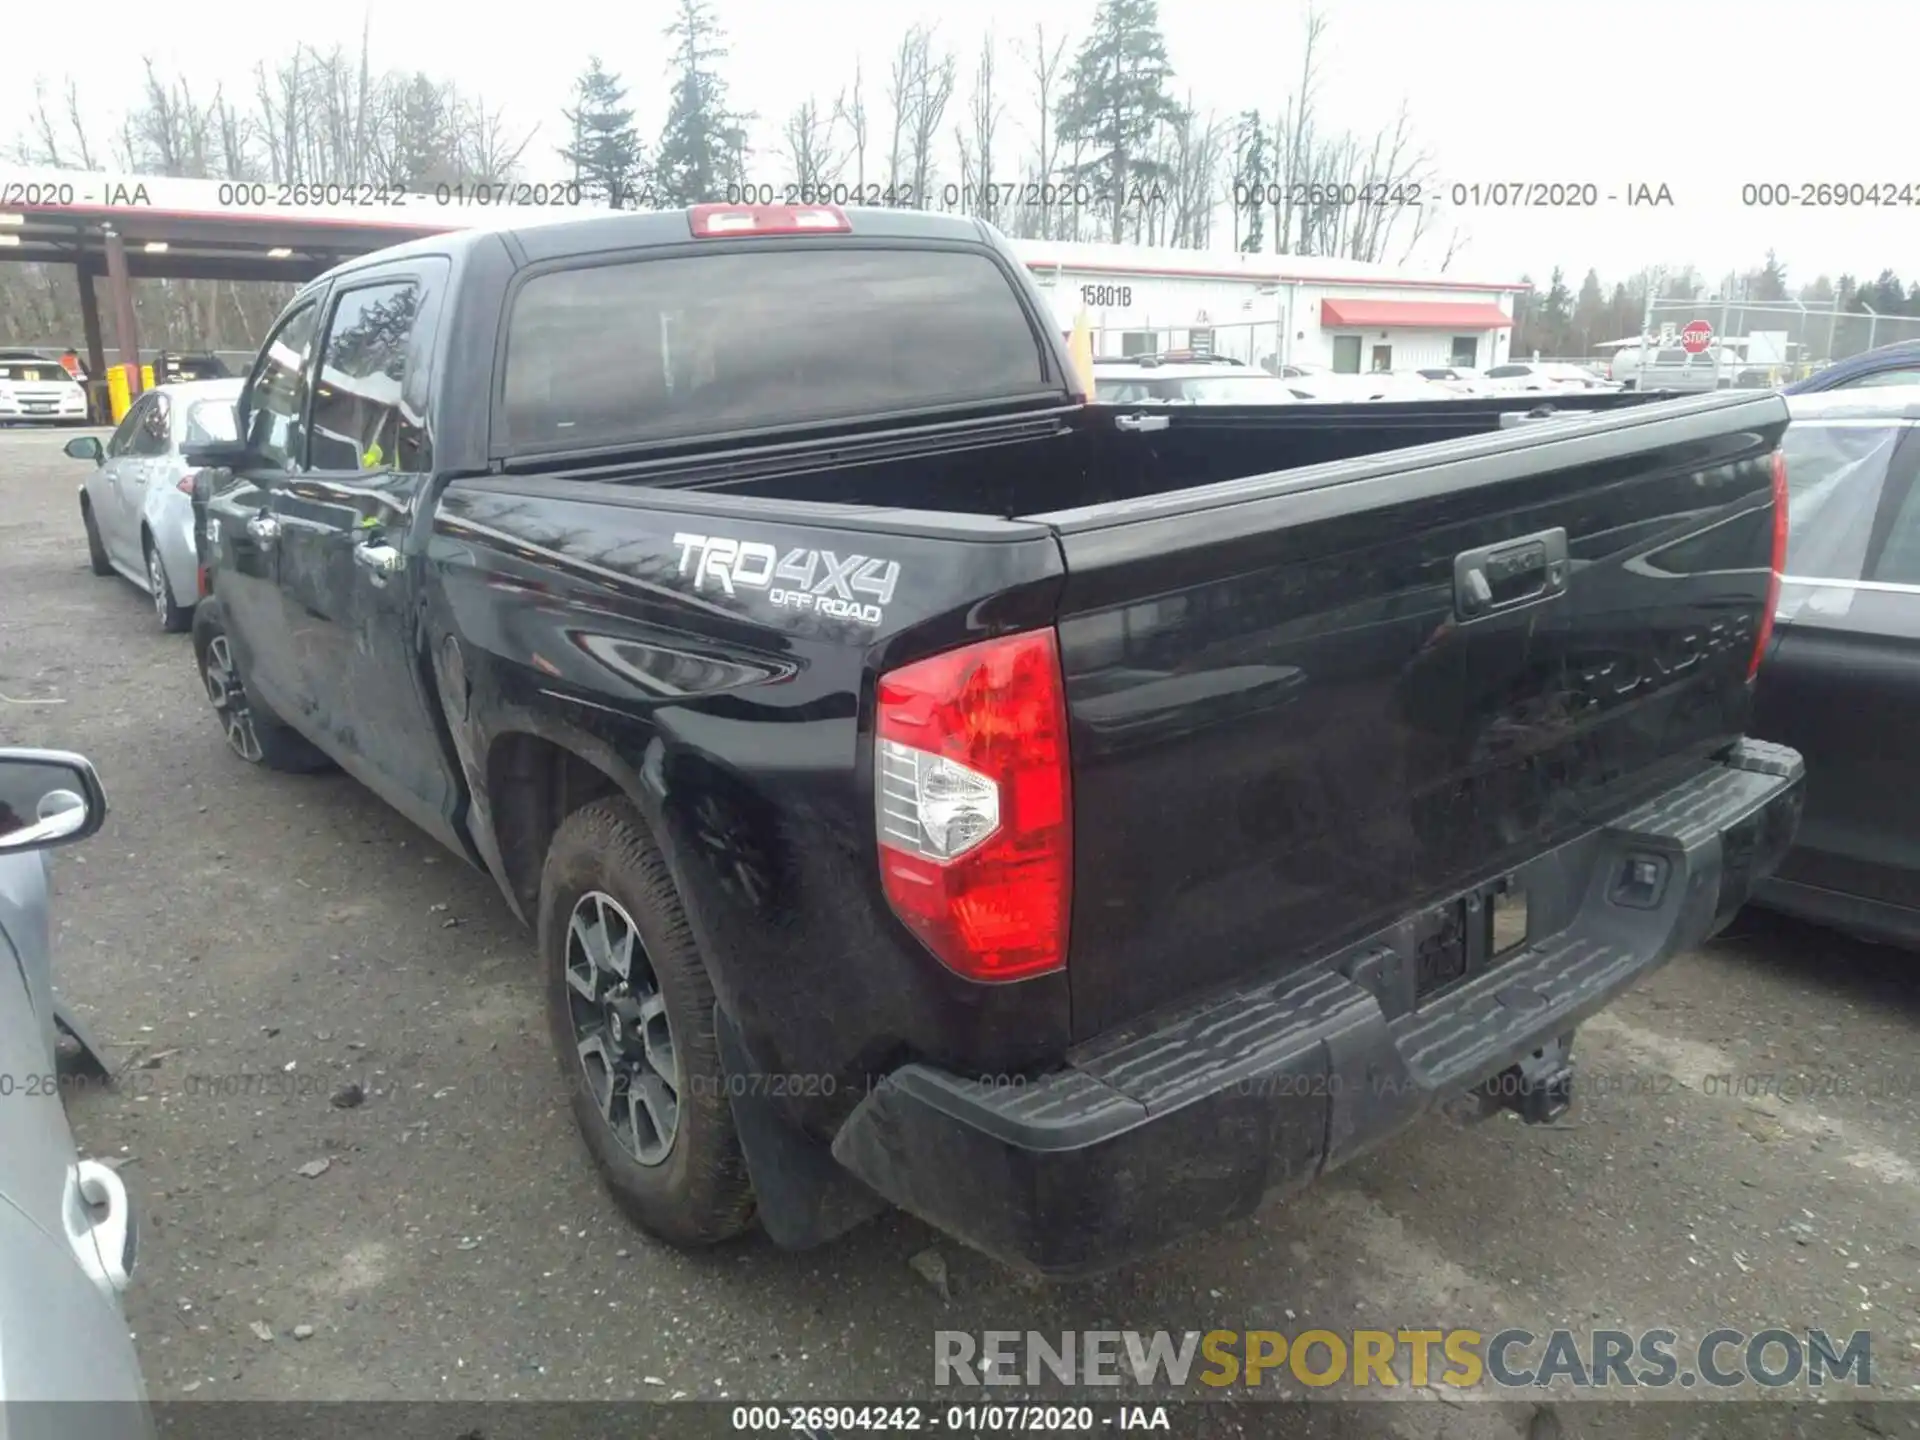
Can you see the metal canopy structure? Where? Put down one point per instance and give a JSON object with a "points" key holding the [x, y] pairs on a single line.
{"points": [[139, 227]]}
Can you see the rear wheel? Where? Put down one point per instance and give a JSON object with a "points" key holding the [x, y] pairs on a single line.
{"points": [[631, 1011], [173, 618], [96, 547], [253, 732]]}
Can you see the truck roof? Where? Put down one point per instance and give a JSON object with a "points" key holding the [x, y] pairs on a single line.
{"points": [[569, 235]]}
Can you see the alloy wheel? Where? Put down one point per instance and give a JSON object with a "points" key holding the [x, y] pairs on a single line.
{"points": [[157, 583], [621, 1030], [229, 699]]}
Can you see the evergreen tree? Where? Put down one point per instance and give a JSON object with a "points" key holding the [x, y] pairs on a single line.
{"points": [[1116, 101], [703, 148], [424, 153], [608, 158], [1554, 315], [1770, 285], [1253, 167], [1820, 292], [1590, 314]]}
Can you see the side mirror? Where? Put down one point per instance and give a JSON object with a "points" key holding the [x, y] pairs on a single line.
{"points": [[216, 455], [86, 447], [47, 798], [220, 454]]}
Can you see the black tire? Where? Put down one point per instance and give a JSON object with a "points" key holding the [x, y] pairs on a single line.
{"points": [[174, 618], [699, 1194], [96, 547], [254, 733]]}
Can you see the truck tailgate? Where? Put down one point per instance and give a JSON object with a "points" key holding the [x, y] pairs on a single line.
{"points": [[1310, 705]]}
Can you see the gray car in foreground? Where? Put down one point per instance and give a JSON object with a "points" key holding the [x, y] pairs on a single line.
{"points": [[137, 503], [67, 1232]]}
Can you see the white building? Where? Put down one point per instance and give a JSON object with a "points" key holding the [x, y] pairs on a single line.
{"points": [[1347, 315]]}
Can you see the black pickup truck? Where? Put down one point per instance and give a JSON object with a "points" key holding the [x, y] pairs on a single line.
{"points": [[1069, 823]]}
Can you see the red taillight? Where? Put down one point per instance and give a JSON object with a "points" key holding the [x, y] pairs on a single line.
{"points": [[973, 806], [710, 222], [1779, 562], [206, 583]]}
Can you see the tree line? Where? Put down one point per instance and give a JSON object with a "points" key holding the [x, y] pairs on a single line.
{"points": [[1839, 314], [1045, 134]]}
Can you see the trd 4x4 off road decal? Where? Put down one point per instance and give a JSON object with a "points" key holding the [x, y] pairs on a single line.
{"points": [[817, 580]]}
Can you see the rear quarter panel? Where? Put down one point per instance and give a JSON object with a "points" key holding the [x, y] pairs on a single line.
{"points": [[741, 728]]}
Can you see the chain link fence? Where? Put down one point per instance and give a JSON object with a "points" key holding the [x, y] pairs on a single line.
{"points": [[1773, 343]]}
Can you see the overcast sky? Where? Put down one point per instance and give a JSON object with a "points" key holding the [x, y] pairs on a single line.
{"points": [[1701, 97]]}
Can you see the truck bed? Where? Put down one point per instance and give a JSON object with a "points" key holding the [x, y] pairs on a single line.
{"points": [[1058, 458]]}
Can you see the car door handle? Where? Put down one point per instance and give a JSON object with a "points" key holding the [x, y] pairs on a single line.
{"points": [[381, 559], [1141, 422], [264, 528]]}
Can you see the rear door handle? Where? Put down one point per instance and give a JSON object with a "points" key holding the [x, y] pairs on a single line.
{"points": [[1141, 422], [1513, 573]]}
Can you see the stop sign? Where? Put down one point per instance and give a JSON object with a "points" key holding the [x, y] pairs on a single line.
{"points": [[1696, 336]]}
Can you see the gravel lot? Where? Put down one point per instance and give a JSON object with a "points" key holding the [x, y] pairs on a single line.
{"points": [[247, 943]]}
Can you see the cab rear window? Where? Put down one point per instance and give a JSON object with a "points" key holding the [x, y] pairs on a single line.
{"points": [[669, 349]]}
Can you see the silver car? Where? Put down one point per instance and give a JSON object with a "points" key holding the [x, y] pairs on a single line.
{"points": [[137, 505], [67, 1232]]}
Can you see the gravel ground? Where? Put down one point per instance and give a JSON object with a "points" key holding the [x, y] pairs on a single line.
{"points": [[248, 943]]}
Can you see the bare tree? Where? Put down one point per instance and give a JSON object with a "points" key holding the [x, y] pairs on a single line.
{"points": [[313, 118], [920, 86], [1295, 137], [976, 141], [808, 142], [1044, 63], [59, 145], [1192, 154], [850, 109]]}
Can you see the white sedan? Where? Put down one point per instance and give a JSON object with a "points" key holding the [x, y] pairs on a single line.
{"points": [[1537, 377], [40, 391], [1177, 384], [1316, 384]]}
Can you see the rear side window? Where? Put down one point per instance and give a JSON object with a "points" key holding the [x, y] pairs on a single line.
{"points": [[706, 344], [1837, 475]]}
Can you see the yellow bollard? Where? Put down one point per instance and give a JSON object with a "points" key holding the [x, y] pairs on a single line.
{"points": [[119, 393], [146, 377], [1080, 348]]}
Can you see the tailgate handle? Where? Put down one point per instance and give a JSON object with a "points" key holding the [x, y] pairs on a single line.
{"points": [[1141, 422], [1515, 572]]}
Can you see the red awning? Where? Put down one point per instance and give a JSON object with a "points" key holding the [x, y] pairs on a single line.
{"points": [[1415, 314]]}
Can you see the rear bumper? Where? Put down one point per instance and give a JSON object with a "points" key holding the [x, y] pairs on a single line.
{"points": [[1152, 1133]]}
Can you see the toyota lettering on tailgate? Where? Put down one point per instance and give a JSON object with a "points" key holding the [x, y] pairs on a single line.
{"points": [[847, 587]]}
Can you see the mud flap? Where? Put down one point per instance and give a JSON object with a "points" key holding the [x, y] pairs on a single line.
{"points": [[89, 1060], [802, 1194]]}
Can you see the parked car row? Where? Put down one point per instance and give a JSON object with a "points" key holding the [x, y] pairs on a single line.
{"points": [[1168, 379]]}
